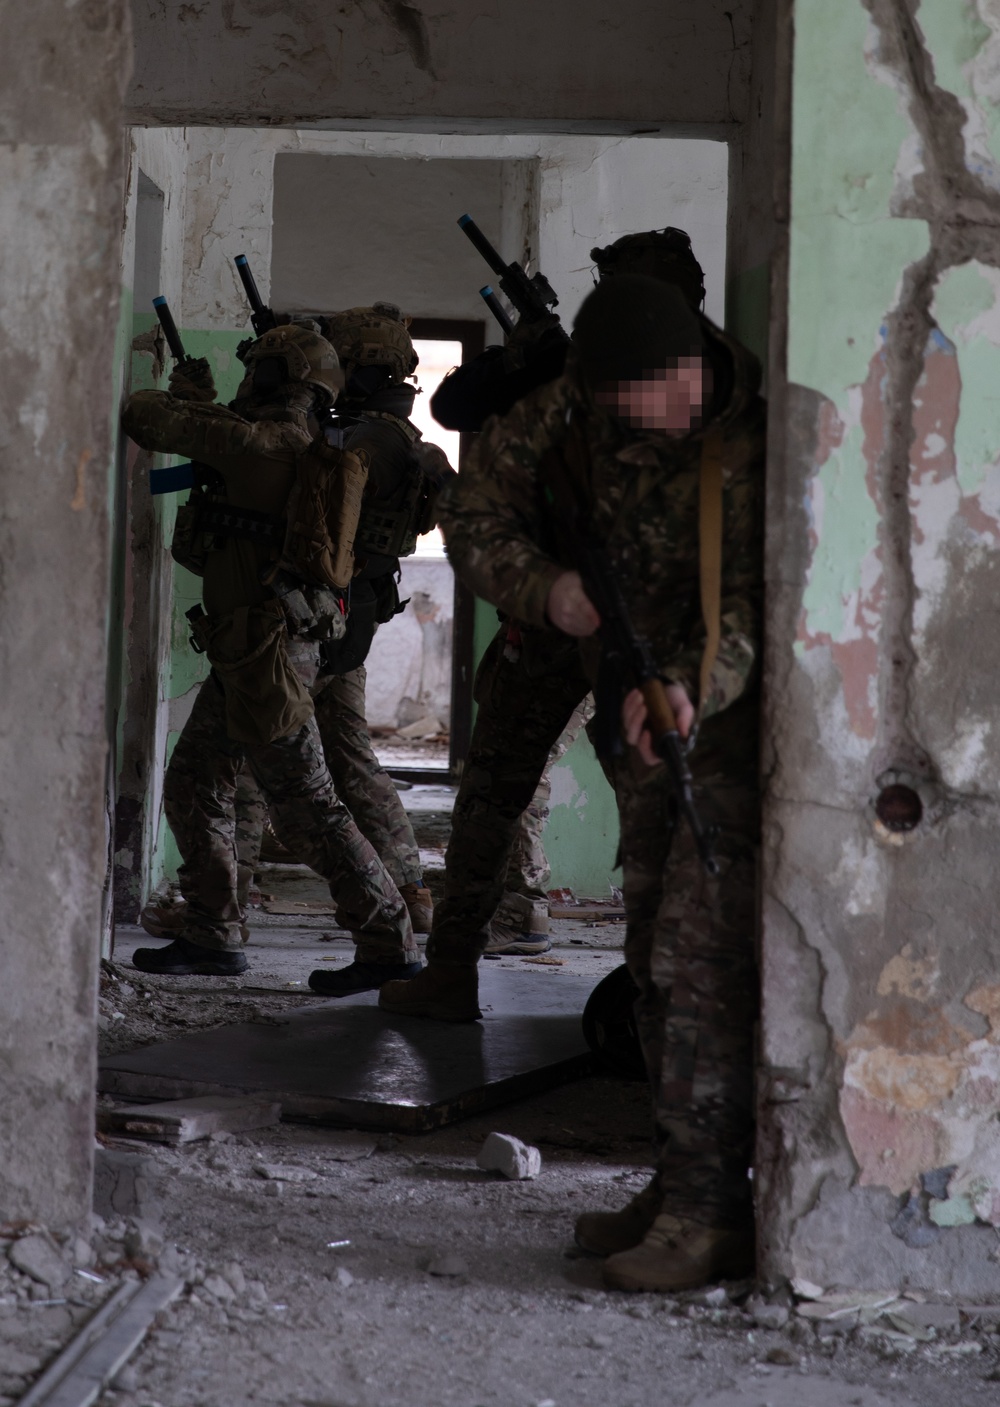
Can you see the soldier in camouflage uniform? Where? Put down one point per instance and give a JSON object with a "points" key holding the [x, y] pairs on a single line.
{"points": [[377, 357], [260, 628], [530, 680], [629, 420]]}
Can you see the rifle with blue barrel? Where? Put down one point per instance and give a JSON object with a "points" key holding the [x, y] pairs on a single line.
{"points": [[261, 316], [532, 298], [497, 309], [176, 477]]}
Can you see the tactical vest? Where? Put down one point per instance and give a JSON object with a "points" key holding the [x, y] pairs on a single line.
{"points": [[313, 544], [390, 527]]}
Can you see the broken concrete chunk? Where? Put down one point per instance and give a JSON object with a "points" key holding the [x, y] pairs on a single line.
{"points": [[233, 1273], [184, 1120], [284, 1172], [217, 1287], [426, 727], [770, 1316], [36, 1256], [505, 1154], [908, 1316], [344, 1277], [806, 1290]]}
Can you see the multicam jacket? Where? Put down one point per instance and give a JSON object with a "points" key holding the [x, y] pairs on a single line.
{"points": [[257, 462], [503, 541]]}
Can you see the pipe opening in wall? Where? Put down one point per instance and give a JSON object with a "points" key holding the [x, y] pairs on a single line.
{"points": [[899, 808]]}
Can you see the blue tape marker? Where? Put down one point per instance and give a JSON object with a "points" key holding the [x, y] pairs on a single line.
{"points": [[172, 480]]}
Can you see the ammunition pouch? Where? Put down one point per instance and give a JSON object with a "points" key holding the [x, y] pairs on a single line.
{"points": [[190, 544], [310, 612], [350, 652]]}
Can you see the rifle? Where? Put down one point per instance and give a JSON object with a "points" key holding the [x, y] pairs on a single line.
{"points": [[531, 297], [625, 656], [177, 476], [261, 316], [497, 309]]}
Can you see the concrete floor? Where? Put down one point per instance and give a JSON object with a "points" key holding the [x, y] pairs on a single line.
{"points": [[388, 1271]]}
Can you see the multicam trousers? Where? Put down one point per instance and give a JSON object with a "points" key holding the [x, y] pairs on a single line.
{"points": [[526, 696], [362, 783], [690, 948], [199, 794], [359, 779]]}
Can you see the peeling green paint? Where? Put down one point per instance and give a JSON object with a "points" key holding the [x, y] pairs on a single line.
{"points": [[847, 531], [963, 301], [581, 836], [954, 34], [846, 252], [956, 1211]]}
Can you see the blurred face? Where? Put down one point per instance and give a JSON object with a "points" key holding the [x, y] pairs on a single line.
{"points": [[670, 399]]}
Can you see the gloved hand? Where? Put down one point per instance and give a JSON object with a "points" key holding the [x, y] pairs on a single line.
{"points": [[528, 338], [192, 381]]}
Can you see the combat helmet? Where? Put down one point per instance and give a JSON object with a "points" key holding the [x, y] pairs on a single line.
{"points": [[374, 336], [664, 254], [291, 354]]}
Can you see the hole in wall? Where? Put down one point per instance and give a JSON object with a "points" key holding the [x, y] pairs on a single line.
{"points": [[899, 808]]}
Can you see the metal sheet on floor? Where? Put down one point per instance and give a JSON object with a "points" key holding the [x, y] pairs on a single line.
{"points": [[346, 1062]]}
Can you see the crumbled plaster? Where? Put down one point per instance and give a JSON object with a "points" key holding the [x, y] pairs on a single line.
{"points": [[895, 327]]}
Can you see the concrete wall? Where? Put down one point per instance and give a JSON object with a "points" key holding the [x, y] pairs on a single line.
{"points": [[409, 668], [880, 1156], [565, 62], [142, 572], [350, 230], [60, 215]]}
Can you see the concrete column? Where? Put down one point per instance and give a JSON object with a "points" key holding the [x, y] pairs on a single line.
{"points": [[879, 1161], [61, 168]]}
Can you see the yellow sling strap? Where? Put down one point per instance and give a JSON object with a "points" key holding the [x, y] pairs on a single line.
{"points": [[710, 555]]}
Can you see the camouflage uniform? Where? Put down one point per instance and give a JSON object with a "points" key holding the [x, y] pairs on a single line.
{"points": [[690, 940], [199, 794], [526, 695], [256, 459], [360, 779]]}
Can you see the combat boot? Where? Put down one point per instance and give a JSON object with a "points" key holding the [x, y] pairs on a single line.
{"points": [[182, 958], [520, 925], [606, 1233], [419, 906], [442, 992], [677, 1254], [361, 977]]}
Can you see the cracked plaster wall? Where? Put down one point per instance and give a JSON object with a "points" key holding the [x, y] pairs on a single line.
{"points": [[295, 63], [879, 1161]]}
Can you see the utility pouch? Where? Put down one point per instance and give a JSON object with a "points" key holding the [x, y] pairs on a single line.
{"points": [[265, 698], [190, 544], [310, 612]]}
